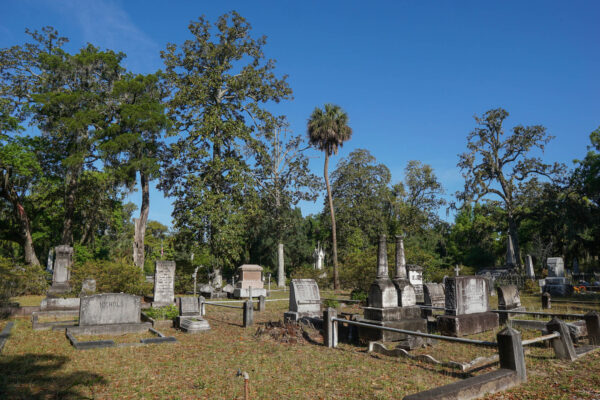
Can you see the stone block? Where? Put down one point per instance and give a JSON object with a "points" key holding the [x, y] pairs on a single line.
{"points": [[466, 295], [58, 303], [109, 308], [391, 314], [382, 294], [305, 296], [193, 324], [164, 283], [467, 324]]}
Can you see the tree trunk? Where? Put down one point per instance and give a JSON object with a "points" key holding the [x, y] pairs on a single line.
{"points": [[336, 278], [71, 182], [140, 224], [280, 266], [9, 193], [512, 232]]}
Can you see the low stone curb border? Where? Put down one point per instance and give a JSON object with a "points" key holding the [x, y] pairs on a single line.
{"points": [[97, 344], [5, 334], [380, 348]]}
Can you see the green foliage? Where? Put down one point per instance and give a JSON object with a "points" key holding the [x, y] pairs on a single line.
{"points": [[111, 277], [307, 271], [166, 312], [331, 303], [359, 294], [218, 124], [183, 281], [531, 286], [20, 280]]}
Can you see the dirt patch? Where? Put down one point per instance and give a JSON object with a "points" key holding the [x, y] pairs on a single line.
{"points": [[290, 333]]}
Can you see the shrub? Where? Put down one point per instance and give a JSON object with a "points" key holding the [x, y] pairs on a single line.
{"points": [[531, 286], [166, 312], [308, 272], [111, 277], [359, 294], [19, 280], [331, 303]]}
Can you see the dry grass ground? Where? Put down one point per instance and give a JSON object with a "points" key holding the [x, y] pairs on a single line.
{"points": [[43, 365]]}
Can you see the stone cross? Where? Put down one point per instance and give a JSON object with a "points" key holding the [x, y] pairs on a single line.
{"points": [[400, 259], [456, 270], [382, 262]]}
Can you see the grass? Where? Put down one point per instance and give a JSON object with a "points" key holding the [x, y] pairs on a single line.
{"points": [[43, 365]]}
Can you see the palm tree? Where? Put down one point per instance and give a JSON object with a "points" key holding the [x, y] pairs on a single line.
{"points": [[328, 130]]}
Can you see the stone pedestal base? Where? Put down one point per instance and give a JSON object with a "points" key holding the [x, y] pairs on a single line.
{"points": [[371, 334], [192, 324], [58, 303], [467, 324], [156, 304], [244, 293], [558, 290], [58, 289], [392, 313]]}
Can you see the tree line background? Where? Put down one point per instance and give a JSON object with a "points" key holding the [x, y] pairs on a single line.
{"points": [[201, 128]]}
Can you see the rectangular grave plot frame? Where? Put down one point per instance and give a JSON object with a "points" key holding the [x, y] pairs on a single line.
{"points": [[54, 325], [105, 329]]}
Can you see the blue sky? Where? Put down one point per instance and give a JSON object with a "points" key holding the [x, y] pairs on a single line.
{"points": [[411, 75]]}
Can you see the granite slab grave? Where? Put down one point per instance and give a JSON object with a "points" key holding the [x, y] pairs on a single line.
{"points": [[529, 267], [109, 314], [305, 301], [190, 318], [390, 305], [556, 267], [164, 283], [250, 277], [467, 309], [88, 287]]}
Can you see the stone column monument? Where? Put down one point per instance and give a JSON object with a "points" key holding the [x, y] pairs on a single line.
{"points": [[63, 261]]}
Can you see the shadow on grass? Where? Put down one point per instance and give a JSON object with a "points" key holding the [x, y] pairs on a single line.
{"points": [[37, 376], [241, 325]]}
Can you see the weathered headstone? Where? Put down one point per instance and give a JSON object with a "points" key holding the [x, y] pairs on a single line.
{"points": [[109, 308], [529, 267], [556, 267], [467, 307], [164, 283], [88, 287], [508, 299], [109, 314], [305, 300], [228, 288], [250, 276], [511, 259], [415, 277], [433, 295], [557, 284], [63, 261], [319, 257], [382, 293], [190, 318]]}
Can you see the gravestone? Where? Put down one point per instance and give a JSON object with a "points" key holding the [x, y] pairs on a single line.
{"points": [[109, 308], [390, 305], [556, 283], [305, 300], [466, 306], [250, 277], [508, 299], [109, 314], [190, 317], [88, 287], [319, 257], [164, 283], [433, 294], [556, 267], [415, 277], [61, 274], [511, 259], [228, 289], [529, 267]]}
